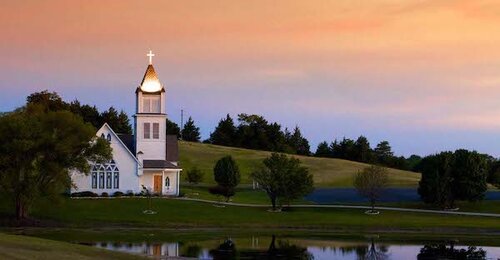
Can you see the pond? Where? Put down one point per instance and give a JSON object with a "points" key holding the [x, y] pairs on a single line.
{"points": [[283, 247], [350, 195]]}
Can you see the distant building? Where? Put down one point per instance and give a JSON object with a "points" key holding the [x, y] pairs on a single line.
{"points": [[148, 158]]}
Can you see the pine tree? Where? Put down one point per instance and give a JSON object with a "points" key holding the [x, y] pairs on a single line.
{"points": [[191, 132], [323, 150], [173, 128], [224, 133]]}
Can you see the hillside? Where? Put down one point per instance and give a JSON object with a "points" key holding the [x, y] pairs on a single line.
{"points": [[326, 171]]}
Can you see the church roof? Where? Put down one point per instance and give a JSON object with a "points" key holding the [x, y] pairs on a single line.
{"points": [[128, 141], [158, 164], [150, 82]]}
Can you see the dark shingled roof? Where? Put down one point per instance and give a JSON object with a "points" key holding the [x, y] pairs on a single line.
{"points": [[172, 149], [159, 164], [128, 140]]}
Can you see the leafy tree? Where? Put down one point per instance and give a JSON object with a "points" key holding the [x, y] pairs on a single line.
{"points": [[470, 173], [39, 149], [323, 150], [190, 132], [413, 161], [448, 176], [89, 114], [371, 183], [224, 133], [297, 142], [283, 179], [49, 101], [494, 173], [435, 184], [173, 128]]}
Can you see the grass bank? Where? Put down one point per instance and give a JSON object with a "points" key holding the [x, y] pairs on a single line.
{"points": [[327, 172], [23, 247]]}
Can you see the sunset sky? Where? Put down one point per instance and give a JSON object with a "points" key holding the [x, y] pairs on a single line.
{"points": [[424, 75]]}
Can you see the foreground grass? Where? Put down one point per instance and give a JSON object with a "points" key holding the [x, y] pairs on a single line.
{"points": [[23, 247], [327, 172], [127, 212]]}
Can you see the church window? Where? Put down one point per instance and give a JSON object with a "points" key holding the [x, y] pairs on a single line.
{"points": [[151, 104], [101, 180], [105, 175], [102, 136], [94, 180], [147, 130], [108, 137], [116, 179], [167, 182], [108, 180], [146, 103], [156, 130]]}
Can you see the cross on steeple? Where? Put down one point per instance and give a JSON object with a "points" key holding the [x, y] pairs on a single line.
{"points": [[150, 55]]}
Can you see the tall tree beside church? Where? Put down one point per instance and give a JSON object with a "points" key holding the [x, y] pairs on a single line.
{"points": [[89, 113], [190, 132], [224, 133], [39, 148], [173, 128], [119, 122]]}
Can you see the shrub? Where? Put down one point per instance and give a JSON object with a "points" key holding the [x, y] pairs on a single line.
{"points": [[219, 190], [130, 193], [84, 194], [118, 194], [105, 195]]}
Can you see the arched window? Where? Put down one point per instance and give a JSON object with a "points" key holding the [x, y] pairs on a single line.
{"points": [[167, 182], [105, 176], [102, 136], [116, 179], [108, 137]]}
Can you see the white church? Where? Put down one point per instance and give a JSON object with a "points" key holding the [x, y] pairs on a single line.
{"points": [[148, 158]]}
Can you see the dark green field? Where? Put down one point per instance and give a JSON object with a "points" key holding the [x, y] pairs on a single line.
{"points": [[171, 213]]}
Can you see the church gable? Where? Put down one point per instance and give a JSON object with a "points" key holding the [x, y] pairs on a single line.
{"points": [[117, 143]]}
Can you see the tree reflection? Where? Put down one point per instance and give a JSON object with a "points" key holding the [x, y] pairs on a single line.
{"points": [[443, 251], [278, 249], [374, 253]]}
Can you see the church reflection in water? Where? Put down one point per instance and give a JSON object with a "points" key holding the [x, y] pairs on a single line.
{"points": [[271, 247]]}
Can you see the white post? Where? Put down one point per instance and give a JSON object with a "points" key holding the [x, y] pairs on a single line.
{"points": [[178, 183], [162, 182]]}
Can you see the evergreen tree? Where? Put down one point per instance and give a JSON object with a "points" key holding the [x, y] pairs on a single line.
{"points": [[119, 122], [173, 128], [363, 152], [323, 150], [191, 132], [224, 133], [384, 153], [297, 142]]}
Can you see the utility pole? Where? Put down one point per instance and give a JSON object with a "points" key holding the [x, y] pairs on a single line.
{"points": [[182, 122]]}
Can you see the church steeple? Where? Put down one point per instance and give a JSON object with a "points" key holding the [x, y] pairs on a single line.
{"points": [[150, 82]]}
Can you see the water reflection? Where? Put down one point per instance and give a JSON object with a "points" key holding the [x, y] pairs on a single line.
{"points": [[295, 248]]}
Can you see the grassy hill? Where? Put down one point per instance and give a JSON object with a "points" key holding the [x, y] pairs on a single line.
{"points": [[327, 172]]}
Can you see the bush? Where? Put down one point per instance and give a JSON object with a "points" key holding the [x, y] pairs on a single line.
{"points": [[118, 194], [84, 194], [130, 193], [219, 190], [105, 195]]}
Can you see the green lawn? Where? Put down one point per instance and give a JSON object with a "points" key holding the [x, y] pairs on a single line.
{"points": [[171, 213], [23, 247], [326, 171]]}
